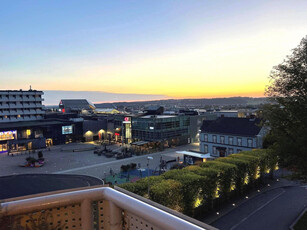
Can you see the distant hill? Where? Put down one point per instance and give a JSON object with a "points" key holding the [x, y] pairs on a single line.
{"points": [[202, 102]]}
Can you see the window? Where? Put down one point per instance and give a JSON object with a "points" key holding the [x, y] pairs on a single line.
{"points": [[250, 142], [230, 150], [214, 150], [239, 150], [206, 148], [230, 140], [206, 137], [239, 141], [222, 139], [214, 138]]}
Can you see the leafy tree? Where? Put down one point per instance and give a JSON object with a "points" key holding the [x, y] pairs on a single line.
{"points": [[287, 116]]}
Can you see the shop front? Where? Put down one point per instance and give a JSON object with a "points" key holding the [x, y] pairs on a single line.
{"points": [[5, 137]]}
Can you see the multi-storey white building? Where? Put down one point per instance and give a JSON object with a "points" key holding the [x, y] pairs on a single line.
{"points": [[20, 105], [228, 135]]}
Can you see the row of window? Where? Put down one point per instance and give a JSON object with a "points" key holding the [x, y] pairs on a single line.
{"points": [[19, 116], [214, 150], [34, 103], [19, 96], [230, 140]]}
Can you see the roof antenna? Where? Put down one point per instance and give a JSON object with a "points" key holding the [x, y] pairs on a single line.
{"points": [[30, 88]]}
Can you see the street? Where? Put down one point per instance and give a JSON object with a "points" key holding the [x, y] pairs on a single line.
{"points": [[275, 209]]}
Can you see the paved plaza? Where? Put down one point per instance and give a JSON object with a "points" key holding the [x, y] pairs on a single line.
{"points": [[64, 159]]}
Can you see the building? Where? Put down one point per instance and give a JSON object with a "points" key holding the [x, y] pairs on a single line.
{"points": [[20, 105], [106, 111], [228, 135], [174, 130], [76, 106], [28, 135], [227, 113]]}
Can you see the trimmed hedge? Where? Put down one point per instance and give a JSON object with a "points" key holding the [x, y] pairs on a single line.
{"points": [[168, 193], [194, 187]]}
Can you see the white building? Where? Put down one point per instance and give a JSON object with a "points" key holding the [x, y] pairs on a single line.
{"points": [[228, 135], [20, 105]]}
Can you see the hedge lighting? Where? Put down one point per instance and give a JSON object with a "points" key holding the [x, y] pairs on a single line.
{"points": [[217, 213], [246, 197]]}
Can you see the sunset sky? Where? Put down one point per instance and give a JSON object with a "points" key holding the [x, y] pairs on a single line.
{"points": [[177, 49]]}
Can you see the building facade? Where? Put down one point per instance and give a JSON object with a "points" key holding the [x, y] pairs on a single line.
{"points": [[173, 129], [20, 105], [226, 136]]}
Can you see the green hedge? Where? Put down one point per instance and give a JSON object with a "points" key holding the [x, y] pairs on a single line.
{"points": [[195, 186], [191, 188], [168, 193]]}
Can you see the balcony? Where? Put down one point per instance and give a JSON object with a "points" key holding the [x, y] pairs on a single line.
{"points": [[91, 208]]}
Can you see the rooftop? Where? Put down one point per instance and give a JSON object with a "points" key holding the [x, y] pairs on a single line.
{"points": [[20, 124], [158, 116], [232, 126]]}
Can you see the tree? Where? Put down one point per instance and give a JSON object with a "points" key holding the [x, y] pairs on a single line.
{"points": [[287, 115]]}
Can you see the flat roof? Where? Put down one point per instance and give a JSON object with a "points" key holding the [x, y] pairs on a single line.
{"points": [[158, 116], [193, 154], [10, 125]]}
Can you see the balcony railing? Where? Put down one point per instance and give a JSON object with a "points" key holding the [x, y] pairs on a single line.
{"points": [[93, 208]]}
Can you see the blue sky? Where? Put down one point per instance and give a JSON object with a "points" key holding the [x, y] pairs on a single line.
{"points": [[142, 47]]}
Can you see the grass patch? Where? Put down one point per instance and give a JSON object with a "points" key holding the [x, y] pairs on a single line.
{"points": [[302, 223]]}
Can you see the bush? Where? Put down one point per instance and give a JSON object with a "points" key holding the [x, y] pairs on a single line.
{"points": [[140, 187], [168, 193], [191, 188], [209, 186], [40, 154], [226, 176]]}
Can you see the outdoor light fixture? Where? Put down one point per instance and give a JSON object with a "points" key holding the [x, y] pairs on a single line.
{"points": [[217, 213], [246, 197], [269, 185], [258, 190], [233, 204], [148, 159], [277, 180]]}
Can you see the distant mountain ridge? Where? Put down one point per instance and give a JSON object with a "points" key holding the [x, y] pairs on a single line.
{"points": [[192, 102]]}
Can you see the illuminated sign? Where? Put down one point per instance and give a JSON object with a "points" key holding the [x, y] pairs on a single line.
{"points": [[67, 129], [8, 135], [127, 120]]}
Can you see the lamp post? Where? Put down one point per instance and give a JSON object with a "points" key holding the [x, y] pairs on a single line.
{"points": [[148, 158]]}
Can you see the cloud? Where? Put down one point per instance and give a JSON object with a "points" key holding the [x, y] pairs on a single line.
{"points": [[53, 97]]}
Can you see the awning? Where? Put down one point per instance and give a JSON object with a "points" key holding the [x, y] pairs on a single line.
{"points": [[198, 155]]}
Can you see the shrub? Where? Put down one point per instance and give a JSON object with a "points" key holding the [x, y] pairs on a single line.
{"points": [[191, 188], [168, 193], [226, 176]]}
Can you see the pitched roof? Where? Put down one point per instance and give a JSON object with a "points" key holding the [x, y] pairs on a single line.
{"points": [[76, 104], [232, 126]]}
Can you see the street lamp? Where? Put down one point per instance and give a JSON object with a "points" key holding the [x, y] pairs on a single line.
{"points": [[148, 159]]}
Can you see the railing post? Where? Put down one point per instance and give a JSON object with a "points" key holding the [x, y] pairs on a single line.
{"points": [[87, 215], [115, 219]]}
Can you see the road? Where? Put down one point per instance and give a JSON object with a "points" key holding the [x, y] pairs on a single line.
{"points": [[272, 210]]}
